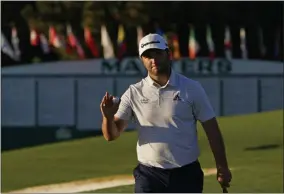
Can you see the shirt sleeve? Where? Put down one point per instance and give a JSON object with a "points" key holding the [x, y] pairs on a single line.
{"points": [[202, 107], [124, 110]]}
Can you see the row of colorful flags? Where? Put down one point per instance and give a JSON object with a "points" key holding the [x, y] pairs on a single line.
{"points": [[71, 43]]}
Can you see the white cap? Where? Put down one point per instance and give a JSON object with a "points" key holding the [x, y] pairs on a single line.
{"points": [[152, 41]]}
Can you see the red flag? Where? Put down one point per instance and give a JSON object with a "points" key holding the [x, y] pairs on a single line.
{"points": [[80, 51], [73, 42], [228, 44], [34, 37], [53, 38], [71, 37], [91, 42]]}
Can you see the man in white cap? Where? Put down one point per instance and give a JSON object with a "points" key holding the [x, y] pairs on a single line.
{"points": [[166, 106]]}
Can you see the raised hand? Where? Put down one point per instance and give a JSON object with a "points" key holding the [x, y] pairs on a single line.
{"points": [[108, 108]]}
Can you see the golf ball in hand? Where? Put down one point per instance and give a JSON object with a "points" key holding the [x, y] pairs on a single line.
{"points": [[115, 100]]}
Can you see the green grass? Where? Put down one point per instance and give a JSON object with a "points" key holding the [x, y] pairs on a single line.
{"points": [[256, 171]]}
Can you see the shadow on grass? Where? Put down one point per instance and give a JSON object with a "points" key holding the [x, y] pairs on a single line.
{"points": [[262, 147]]}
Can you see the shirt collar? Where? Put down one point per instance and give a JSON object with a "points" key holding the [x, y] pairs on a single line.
{"points": [[172, 80]]}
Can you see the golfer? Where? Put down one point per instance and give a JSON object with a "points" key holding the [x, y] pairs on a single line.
{"points": [[166, 107]]}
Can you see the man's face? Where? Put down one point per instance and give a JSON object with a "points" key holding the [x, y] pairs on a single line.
{"points": [[156, 61]]}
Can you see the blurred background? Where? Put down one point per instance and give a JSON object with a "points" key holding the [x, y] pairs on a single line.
{"points": [[59, 58], [73, 30]]}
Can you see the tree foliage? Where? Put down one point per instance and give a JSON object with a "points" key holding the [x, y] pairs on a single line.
{"points": [[171, 16], [90, 14]]}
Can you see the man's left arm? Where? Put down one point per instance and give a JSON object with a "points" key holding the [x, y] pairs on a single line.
{"points": [[206, 115], [216, 142]]}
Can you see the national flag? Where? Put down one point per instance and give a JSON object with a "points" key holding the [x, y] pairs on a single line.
{"points": [[162, 33], [121, 42], [73, 42], [175, 45], [34, 39], [228, 44], [15, 41], [6, 47], [71, 39], [44, 44], [106, 43], [139, 34], [80, 51], [91, 42], [54, 39], [193, 46], [210, 43], [243, 43]]}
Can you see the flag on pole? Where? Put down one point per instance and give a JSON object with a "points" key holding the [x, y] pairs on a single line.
{"points": [[71, 37], [54, 39], [243, 43], [193, 46], [6, 47], [44, 44], [80, 51], [175, 45], [210, 43], [34, 37], [262, 47], [228, 43], [161, 32], [91, 42], [106, 43], [139, 35], [121, 42], [15, 41], [74, 43]]}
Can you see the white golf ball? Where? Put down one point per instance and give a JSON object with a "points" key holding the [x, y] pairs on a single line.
{"points": [[115, 100]]}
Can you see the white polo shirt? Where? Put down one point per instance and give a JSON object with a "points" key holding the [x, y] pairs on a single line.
{"points": [[165, 118]]}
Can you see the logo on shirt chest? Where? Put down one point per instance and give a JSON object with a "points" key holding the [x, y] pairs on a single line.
{"points": [[177, 97], [144, 100]]}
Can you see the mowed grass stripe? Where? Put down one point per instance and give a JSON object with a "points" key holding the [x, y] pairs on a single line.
{"points": [[94, 157]]}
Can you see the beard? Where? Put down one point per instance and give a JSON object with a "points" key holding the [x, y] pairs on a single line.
{"points": [[164, 68]]}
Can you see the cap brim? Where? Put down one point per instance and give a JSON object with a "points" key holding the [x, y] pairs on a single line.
{"points": [[151, 47]]}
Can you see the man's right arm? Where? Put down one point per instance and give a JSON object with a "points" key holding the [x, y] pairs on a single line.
{"points": [[113, 126]]}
